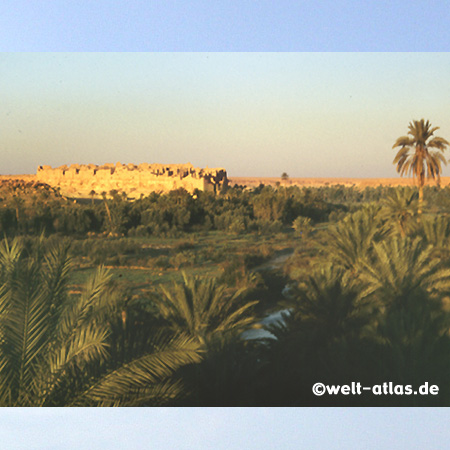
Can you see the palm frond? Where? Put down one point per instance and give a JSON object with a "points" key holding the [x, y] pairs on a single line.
{"points": [[142, 376], [87, 345], [24, 325], [404, 141], [75, 312]]}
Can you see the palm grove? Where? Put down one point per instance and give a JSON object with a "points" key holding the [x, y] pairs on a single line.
{"points": [[367, 293]]}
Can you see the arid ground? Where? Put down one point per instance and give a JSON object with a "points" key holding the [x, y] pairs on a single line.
{"points": [[318, 182]]}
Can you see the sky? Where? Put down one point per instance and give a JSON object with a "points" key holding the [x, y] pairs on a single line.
{"points": [[225, 428], [310, 114], [224, 25]]}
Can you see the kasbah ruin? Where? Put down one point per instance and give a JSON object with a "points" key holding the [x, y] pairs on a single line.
{"points": [[134, 180]]}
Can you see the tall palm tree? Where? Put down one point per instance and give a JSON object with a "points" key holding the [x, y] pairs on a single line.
{"points": [[417, 154], [54, 347], [103, 194]]}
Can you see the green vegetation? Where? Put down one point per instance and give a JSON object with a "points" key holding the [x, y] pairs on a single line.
{"points": [[163, 301]]}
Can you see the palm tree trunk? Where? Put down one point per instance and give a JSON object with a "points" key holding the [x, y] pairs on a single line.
{"points": [[419, 209], [108, 212]]}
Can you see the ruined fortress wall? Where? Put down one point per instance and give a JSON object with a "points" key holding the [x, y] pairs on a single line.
{"points": [[134, 180]]}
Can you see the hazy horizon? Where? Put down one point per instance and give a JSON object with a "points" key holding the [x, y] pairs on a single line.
{"points": [[255, 114]]}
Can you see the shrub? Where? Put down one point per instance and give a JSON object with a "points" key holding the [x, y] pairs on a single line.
{"points": [[302, 226]]}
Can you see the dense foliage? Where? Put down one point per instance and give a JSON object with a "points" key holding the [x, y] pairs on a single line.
{"points": [[178, 318], [265, 209]]}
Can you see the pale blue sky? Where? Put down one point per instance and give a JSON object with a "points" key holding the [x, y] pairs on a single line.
{"points": [[256, 114], [225, 428], [224, 25]]}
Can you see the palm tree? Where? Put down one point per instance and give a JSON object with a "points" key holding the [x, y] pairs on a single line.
{"points": [[417, 157], [323, 336], [18, 203], [202, 309], [350, 241], [54, 347], [412, 339], [215, 319], [400, 267], [302, 226], [92, 195], [111, 228], [331, 304], [399, 207], [412, 330]]}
